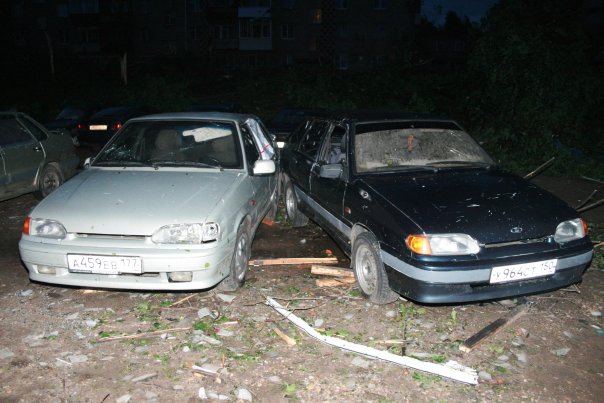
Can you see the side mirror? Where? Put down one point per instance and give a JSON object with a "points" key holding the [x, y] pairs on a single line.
{"points": [[264, 167], [330, 171], [87, 162]]}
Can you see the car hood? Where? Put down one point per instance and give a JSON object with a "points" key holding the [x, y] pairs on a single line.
{"points": [[490, 205], [136, 202]]}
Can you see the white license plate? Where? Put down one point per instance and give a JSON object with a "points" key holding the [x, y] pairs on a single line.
{"points": [[518, 272], [104, 264], [98, 127]]}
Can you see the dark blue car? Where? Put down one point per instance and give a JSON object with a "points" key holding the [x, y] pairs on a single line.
{"points": [[424, 212]]}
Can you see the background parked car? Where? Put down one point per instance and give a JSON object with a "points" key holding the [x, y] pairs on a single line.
{"points": [[424, 212], [33, 159], [283, 123], [71, 119], [104, 123], [171, 203]]}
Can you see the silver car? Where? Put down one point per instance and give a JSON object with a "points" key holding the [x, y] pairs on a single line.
{"points": [[172, 202], [31, 158]]}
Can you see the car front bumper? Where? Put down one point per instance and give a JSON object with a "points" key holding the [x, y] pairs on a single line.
{"points": [[455, 285], [208, 265]]}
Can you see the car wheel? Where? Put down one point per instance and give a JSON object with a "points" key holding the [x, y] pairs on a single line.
{"points": [[50, 179], [295, 216], [240, 260], [369, 270]]}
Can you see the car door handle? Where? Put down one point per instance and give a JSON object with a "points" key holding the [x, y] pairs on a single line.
{"points": [[37, 149]]}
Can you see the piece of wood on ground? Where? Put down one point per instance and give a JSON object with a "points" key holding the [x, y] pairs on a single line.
{"points": [[293, 260], [494, 327], [451, 370], [335, 282], [290, 341], [331, 271], [142, 335]]}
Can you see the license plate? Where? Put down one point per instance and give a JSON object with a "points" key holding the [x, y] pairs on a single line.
{"points": [[518, 272], [104, 264], [98, 127]]}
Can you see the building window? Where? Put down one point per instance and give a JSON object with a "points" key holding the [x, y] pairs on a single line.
{"points": [[169, 20], [341, 4], [62, 11], [255, 28], [90, 35], [195, 34], [83, 6], [316, 16], [223, 32], [287, 31], [342, 62], [64, 37], [379, 4]]}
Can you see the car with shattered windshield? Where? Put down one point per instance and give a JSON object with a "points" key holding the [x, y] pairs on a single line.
{"points": [[424, 212], [172, 202], [32, 159]]}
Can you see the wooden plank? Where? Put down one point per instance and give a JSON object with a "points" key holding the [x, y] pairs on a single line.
{"points": [[285, 337], [335, 282], [494, 327], [331, 271], [293, 260]]}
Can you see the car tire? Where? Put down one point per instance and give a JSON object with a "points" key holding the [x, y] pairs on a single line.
{"points": [[240, 260], [295, 216], [50, 179], [369, 270]]}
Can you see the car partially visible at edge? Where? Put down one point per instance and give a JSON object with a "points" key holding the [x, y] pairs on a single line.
{"points": [[32, 158]]}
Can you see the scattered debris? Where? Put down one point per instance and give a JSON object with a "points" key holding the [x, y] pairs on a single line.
{"points": [[244, 394], [494, 327], [331, 271], [141, 335], [590, 206], [587, 200], [360, 362], [180, 301], [293, 260], [26, 293], [596, 314], [335, 282], [561, 352], [451, 369], [226, 297], [290, 341], [144, 377], [6, 353]]}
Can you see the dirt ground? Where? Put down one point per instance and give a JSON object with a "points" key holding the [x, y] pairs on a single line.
{"points": [[56, 343]]}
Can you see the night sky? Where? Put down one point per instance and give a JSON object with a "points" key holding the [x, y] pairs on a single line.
{"points": [[473, 9]]}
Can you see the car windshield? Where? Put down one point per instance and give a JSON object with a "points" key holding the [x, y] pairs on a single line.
{"points": [[404, 148], [71, 113], [174, 143]]}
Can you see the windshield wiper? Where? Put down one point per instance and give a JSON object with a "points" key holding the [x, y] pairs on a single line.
{"points": [[119, 163], [171, 163], [459, 163]]}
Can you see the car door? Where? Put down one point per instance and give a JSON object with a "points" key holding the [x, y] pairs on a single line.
{"points": [[22, 155], [327, 189], [303, 157]]}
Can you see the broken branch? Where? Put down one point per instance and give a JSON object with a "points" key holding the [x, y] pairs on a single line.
{"points": [[539, 169], [285, 337], [180, 301], [590, 206], [587, 200]]}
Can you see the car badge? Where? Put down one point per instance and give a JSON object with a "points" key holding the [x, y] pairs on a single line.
{"points": [[516, 230]]}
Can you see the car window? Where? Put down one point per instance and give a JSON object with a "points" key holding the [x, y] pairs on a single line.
{"points": [[34, 129], [184, 143], [12, 132], [311, 141], [334, 151], [390, 148], [252, 154]]}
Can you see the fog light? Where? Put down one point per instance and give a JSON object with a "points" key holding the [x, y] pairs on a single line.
{"points": [[180, 276], [47, 270]]}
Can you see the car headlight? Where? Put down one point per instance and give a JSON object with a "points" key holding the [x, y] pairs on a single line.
{"points": [[44, 228], [443, 244], [187, 233], [570, 230]]}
